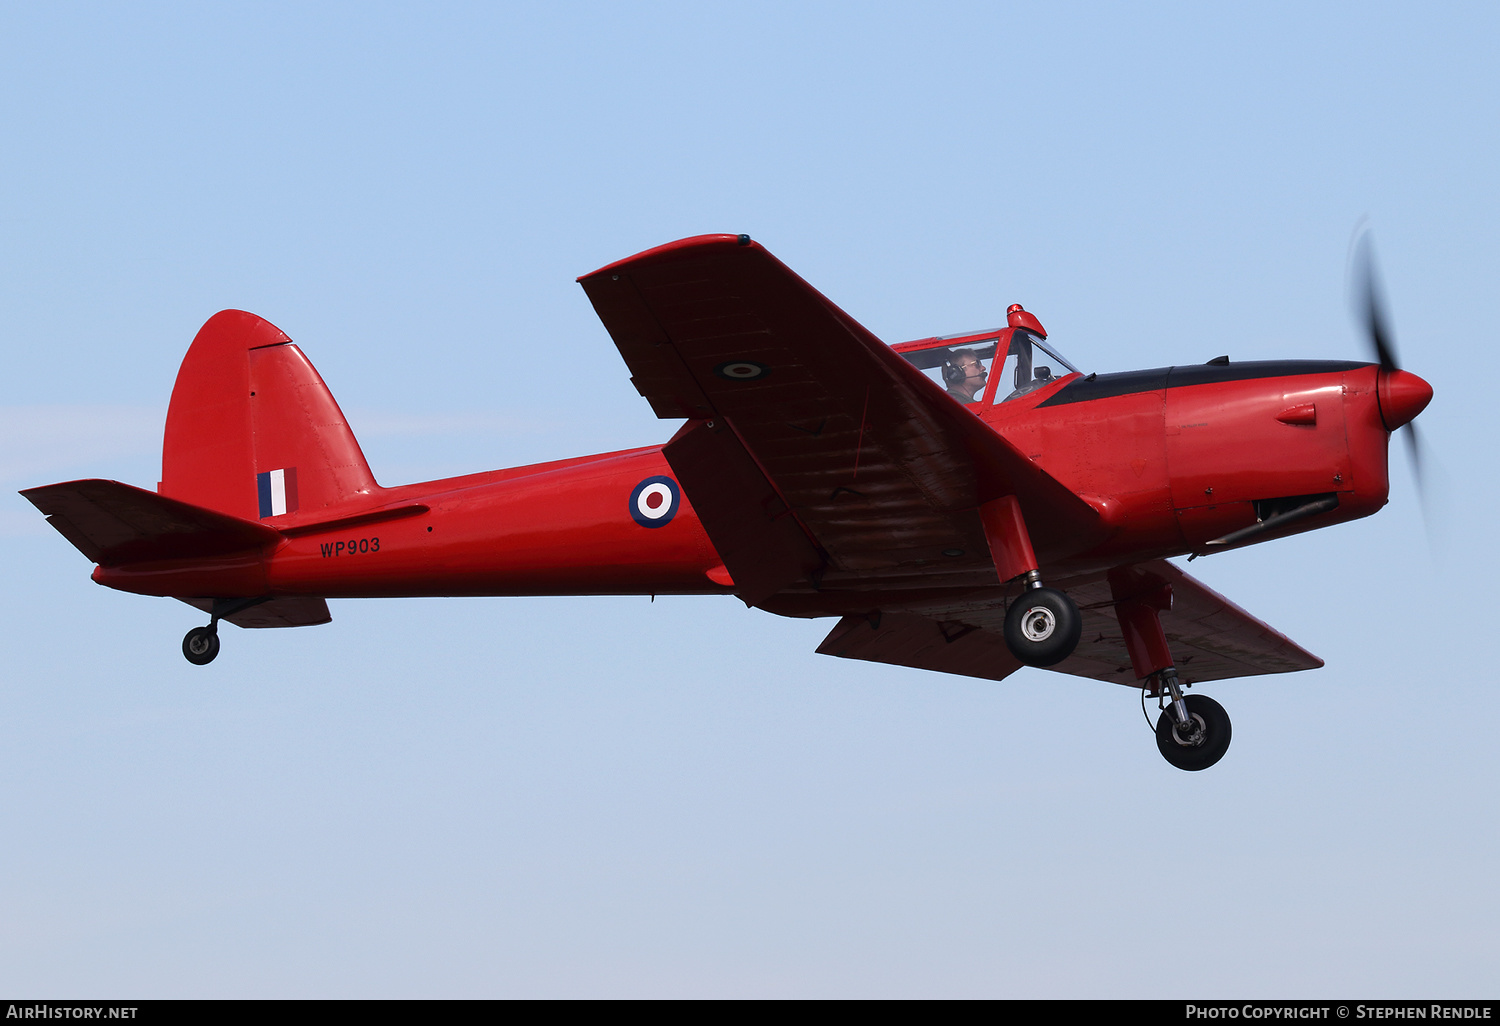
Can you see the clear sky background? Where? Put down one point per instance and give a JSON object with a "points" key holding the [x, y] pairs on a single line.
{"points": [[609, 796]]}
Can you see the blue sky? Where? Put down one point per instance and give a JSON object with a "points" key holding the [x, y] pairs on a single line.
{"points": [[508, 797]]}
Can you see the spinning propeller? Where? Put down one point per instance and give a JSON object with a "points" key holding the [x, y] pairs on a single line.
{"points": [[1402, 395]]}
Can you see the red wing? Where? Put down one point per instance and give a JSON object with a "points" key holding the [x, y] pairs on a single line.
{"points": [[881, 472], [113, 523], [907, 639], [1211, 637]]}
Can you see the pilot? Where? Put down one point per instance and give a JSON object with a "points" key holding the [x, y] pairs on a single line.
{"points": [[964, 375]]}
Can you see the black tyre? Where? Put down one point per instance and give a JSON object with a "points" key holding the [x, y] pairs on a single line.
{"points": [[200, 645], [1203, 749], [1042, 627]]}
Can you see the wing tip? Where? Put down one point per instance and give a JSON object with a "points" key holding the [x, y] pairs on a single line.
{"points": [[37, 494], [681, 247]]}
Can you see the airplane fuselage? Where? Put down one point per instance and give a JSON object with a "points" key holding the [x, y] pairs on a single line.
{"points": [[966, 504], [1172, 458]]}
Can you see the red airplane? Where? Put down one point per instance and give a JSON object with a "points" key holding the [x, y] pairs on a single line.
{"points": [[922, 493]]}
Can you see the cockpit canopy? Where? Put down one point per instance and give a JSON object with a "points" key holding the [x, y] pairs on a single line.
{"points": [[962, 365]]}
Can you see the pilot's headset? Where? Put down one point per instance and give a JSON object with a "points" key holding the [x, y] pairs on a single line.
{"points": [[953, 374]]}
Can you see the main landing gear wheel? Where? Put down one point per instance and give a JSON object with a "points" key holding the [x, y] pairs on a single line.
{"points": [[1042, 627], [200, 645], [1202, 745]]}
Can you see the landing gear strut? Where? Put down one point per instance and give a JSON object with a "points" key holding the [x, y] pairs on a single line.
{"points": [[1192, 733], [1043, 626], [201, 644]]}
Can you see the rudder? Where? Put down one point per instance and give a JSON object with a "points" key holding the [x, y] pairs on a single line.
{"points": [[253, 431]]}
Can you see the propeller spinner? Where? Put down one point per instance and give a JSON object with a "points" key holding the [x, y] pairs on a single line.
{"points": [[1402, 394]]}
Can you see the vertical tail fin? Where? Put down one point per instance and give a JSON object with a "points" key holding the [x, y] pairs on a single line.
{"points": [[253, 431]]}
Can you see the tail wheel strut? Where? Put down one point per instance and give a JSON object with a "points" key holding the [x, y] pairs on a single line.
{"points": [[201, 644]]}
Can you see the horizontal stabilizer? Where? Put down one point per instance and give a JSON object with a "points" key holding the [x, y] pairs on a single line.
{"points": [[114, 524], [286, 611]]}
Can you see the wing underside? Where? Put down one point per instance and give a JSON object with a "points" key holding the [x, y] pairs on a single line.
{"points": [[1211, 637], [877, 473]]}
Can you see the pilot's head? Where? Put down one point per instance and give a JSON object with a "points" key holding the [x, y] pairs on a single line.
{"points": [[964, 374]]}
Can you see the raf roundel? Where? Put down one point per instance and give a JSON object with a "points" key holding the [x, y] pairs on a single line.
{"points": [[742, 370], [654, 502]]}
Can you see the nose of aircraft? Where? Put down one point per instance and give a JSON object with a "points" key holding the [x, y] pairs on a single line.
{"points": [[1402, 396]]}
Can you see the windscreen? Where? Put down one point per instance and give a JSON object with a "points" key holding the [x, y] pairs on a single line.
{"points": [[960, 370], [1029, 364]]}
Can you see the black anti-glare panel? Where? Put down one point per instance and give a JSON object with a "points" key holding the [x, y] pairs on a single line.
{"points": [[1103, 386]]}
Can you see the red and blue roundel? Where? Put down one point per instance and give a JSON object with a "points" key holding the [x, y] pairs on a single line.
{"points": [[654, 501]]}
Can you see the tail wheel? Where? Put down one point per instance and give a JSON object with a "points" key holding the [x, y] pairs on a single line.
{"points": [[1042, 627], [200, 645], [1204, 743]]}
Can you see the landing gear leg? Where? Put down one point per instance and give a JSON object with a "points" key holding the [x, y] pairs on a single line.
{"points": [[1192, 733], [1043, 626], [201, 644]]}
